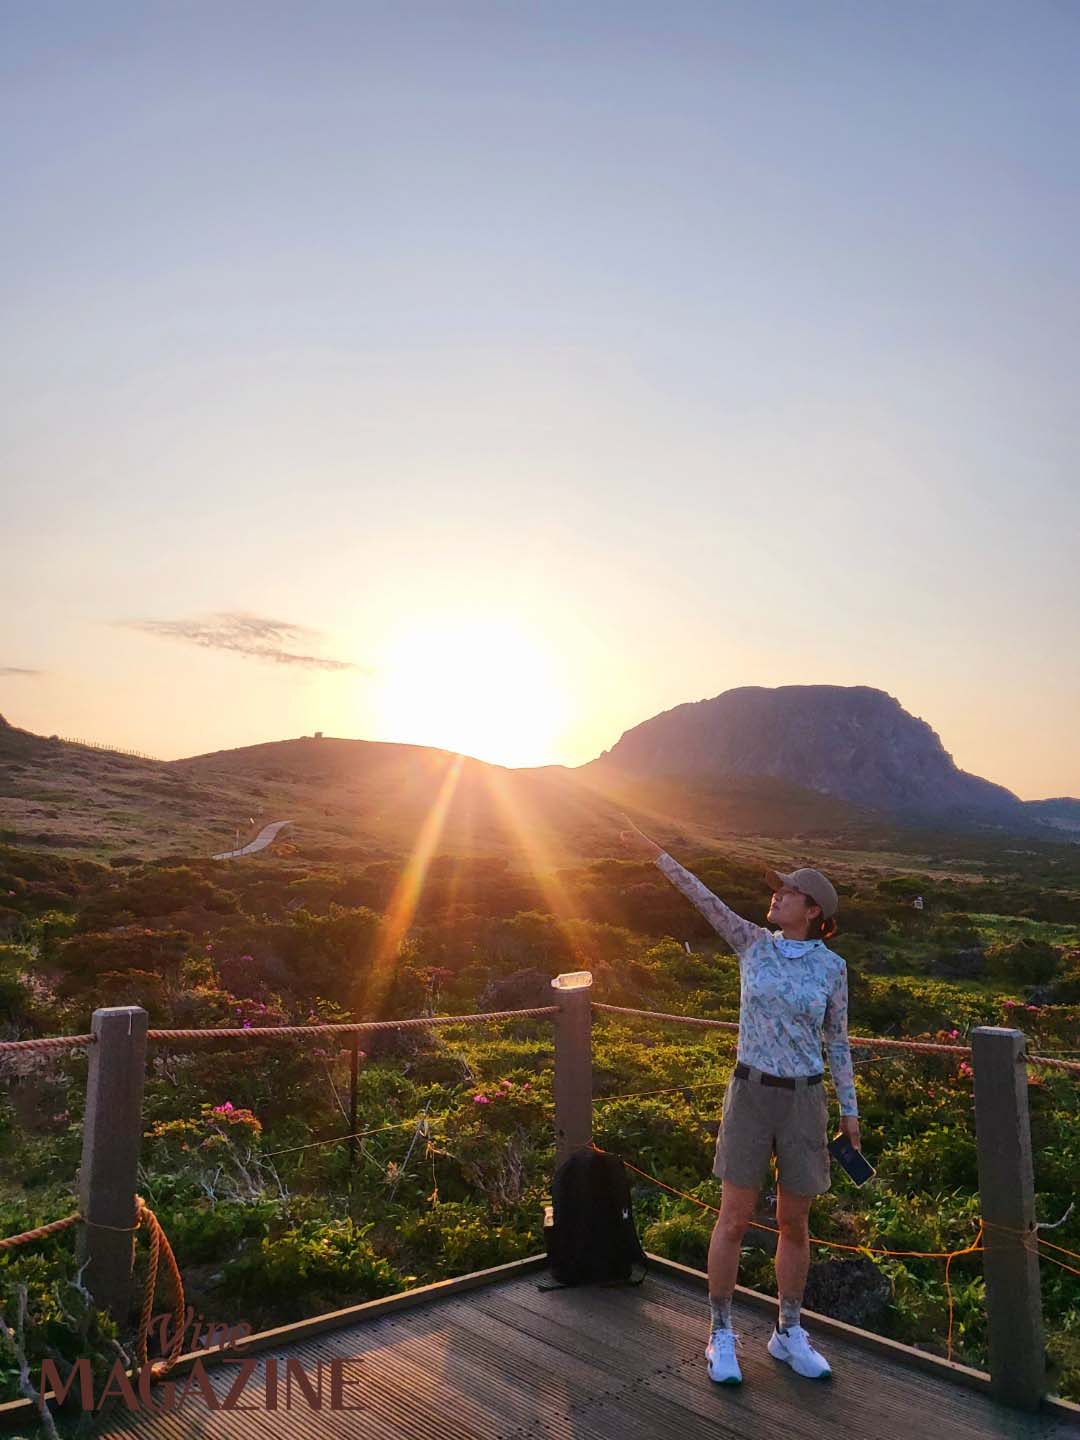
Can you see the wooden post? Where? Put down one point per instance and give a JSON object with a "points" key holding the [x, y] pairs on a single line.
{"points": [[573, 1063], [112, 1139], [1007, 1201]]}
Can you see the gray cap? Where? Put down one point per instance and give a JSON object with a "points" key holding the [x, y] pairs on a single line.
{"points": [[808, 882]]}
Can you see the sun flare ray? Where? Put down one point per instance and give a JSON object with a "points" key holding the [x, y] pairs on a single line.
{"points": [[406, 897]]}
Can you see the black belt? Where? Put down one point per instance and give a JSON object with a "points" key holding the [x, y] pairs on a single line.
{"points": [[744, 1073]]}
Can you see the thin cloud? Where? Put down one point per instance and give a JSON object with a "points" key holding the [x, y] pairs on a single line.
{"points": [[17, 670], [250, 635]]}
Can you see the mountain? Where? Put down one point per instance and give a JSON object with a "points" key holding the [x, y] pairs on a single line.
{"points": [[369, 798], [854, 743], [843, 766], [1062, 815]]}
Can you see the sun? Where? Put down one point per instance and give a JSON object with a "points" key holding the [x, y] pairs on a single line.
{"points": [[477, 685]]}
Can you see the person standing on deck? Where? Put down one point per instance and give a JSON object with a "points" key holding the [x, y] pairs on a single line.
{"points": [[793, 996]]}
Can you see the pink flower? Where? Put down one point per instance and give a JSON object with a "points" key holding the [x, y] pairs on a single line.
{"points": [[506, 1084], [225, 1109], [1031, 1007], [246, 1025], [953, 1034], [526, 1086], [965, 1070], [481, 1100]]}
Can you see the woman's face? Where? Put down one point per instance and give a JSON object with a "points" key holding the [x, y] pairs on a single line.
{"points": [[790, 909]]}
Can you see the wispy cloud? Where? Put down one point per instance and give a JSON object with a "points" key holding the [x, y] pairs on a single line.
{"points": [[17, 670], [250, 635]]}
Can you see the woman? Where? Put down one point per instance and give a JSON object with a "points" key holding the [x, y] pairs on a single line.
{"points": [[793, 995]]}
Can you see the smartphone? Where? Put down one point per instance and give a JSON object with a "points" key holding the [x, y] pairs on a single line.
{"points": [[852, 1160]]}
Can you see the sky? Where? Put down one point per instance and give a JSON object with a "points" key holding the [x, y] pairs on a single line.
{"points": [[498, 375]]}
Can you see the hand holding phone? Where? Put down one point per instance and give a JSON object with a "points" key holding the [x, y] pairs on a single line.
{"points": [[851, 1160]]}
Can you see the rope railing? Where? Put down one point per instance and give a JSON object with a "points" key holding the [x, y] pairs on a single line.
{"points": [[47, 1042], [293, 1032], [280, 1032], [918, 1047]]}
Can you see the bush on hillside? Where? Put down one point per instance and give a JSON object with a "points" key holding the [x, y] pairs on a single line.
{"points": [[1026, 961]]}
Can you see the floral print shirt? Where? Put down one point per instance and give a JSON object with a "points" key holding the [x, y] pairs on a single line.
{"points": [[793, 993]]}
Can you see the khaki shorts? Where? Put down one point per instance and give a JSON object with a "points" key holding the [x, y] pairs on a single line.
{"points": [[760, 1120]]}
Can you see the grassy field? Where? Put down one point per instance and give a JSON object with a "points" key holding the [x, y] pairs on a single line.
{"points": [[271, 1220]]}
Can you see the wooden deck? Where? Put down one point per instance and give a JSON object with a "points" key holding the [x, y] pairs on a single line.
{"points": [[508, 1361]]}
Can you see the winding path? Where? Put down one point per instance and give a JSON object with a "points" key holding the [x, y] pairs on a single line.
{"points": [[265, 837]]}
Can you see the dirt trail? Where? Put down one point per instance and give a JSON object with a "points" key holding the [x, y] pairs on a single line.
{"points": [[265, 837]]}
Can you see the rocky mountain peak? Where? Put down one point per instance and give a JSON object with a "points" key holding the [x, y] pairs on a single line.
{"points": [[854, 742]]}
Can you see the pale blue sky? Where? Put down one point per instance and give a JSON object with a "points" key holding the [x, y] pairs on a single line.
{"points": [[702, 344]]}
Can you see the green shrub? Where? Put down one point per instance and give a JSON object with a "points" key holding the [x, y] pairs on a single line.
{"points": [[1026, 961], [683, 1238], [311, 1267]]}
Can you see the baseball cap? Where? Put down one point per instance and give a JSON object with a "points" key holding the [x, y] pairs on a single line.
{"points": [[810, 882]]}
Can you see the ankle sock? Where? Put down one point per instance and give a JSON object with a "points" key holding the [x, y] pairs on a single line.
{"points": [[720, 1311], [790, 1310]]}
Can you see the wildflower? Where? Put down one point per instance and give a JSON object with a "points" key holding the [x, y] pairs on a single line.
{"points": [[506, 1084], [965, 1070], [225, 1109], [526, 1086], [481, 1100]]}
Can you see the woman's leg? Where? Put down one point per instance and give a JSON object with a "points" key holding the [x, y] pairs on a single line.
{"points": [[792, 1253], [736, 1211]]}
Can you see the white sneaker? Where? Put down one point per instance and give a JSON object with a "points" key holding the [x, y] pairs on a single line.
{"points": [[720, 1353], [794, 1348]]}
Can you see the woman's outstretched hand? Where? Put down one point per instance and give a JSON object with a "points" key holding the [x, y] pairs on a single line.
{"points": [[638, 843]]}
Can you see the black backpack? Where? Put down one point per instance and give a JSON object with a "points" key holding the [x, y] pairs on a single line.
{"points": [[592, 1238]]}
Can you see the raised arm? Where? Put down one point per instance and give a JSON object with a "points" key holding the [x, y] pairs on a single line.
{"points": [[740, 934], [837, 1047]]}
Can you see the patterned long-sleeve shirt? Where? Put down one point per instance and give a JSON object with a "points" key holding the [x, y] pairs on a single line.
{"points": [[793, 994]]}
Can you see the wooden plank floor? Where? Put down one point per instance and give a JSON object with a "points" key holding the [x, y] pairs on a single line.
{"points": [[512, 1362]]}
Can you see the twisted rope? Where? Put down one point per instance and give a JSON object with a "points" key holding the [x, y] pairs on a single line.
{"points": [[854, 1040], [39, 1232], [1067, 1067], [918, 1047], [50, 1042], [657, 1015], [159, 1245], [292, 1032]]}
